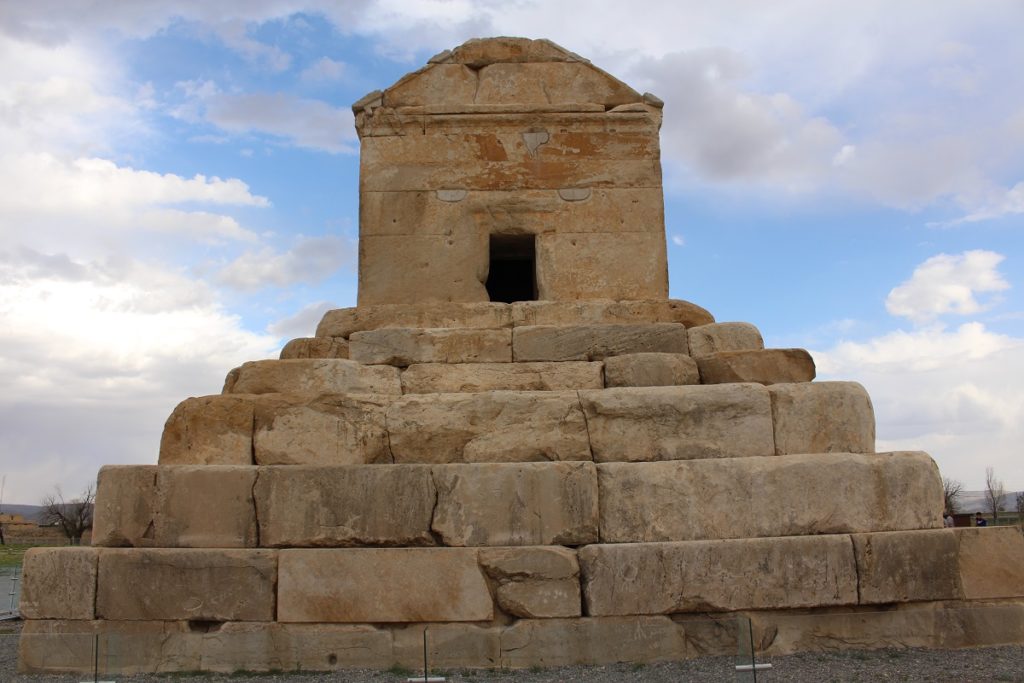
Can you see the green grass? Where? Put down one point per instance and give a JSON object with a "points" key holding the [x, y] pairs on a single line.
{"points": [[10, 555]]}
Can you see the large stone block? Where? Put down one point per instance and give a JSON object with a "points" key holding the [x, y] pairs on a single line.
{"points": [[650, 370], [621, 266], [822, 417], [172, 584], [435, 84], [536, 82], [328, 647], [122, 648], [448, 646], [701, 576], [439, 378], [205, 506], [991, 562], [607, 210], [535, 582], [516, 504], [382, 585], [126, 506], [210, 430], [499, 426], [312, 376], [715, 337], [786, 495], [907, 566], [678, 423], [570, 642], [59, 583], [345, 506], [608, 312], [330, 430], [342, 322], [315, 347], [764, 366], [393, 269], [596, 341], [405, 346]]}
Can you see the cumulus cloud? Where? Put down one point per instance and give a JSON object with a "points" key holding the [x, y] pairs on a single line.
{"points": [[311, 260], [324, 69], [302, 122], [947, 284], [944, 391]]}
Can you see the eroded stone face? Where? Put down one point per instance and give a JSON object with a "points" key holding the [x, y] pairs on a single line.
{"points": [[352, 585], [594, 342], [59, 583], [315, 347], [664, 578], [406, 346], [516, 504], [126, 505], [822, 417], [715, 337], [760, 497], [991, 562], [342, 322], [312, 377], [907, 566], [210, 430], [650, 370], [435, 378], [764, 366], [534, 582], [499, 426], [678, 423]]}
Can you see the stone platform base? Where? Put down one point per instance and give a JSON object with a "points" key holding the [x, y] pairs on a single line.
{"points": [[129, 647]]}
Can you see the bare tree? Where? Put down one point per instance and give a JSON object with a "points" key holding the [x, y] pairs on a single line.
{"points": [[994, 493], [74, 517], [952, 490]]}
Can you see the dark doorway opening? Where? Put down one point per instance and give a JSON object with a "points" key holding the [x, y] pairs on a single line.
{"points": [[512, 276]]}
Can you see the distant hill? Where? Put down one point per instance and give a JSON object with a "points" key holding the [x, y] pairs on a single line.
{"points": [[29, 512]]}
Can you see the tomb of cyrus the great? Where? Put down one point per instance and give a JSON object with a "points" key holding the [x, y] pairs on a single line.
{"points": [[516, 440]]}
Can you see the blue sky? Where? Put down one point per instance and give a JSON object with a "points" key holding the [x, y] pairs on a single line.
{"points": [[180, 195]]}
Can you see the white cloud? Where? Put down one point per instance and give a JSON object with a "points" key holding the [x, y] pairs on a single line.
{"points": [[303, 322], [302, 122], [947, 284], [1003, 203], [324, 69], [945, 392], [311, 260], [678, 240]]}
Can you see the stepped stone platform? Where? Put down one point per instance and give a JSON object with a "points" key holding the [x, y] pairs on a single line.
{"points": [[516, 441]]}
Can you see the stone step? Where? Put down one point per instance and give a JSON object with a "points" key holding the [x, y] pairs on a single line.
{"points": [[764, 366], [492, 585], [606, 425], [439, 378], [342, 322], [492, 504]]}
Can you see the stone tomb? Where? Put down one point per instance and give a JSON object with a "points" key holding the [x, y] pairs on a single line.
{"points": [[516, 440]]}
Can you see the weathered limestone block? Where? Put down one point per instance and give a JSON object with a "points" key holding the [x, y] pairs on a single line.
{"points": [[205, 506], [448, 646], [405, 346], [312, 376], [516, 504], [534, 582], [327, 647], [439, 378], [353, 505], [757, 497], [211, 430], [764, 366], [623, 266], [568, 642], [499, 426], [991, 562], [946, 624], [650, 370], [595, 342], [124, 647], [126, 502], [378, 585], [58, 583], [678, 423], [531, 82], [715, 337], [392, 267], [330, 430], [610, 209], [479, 52], [171, 584], [701, 576], [906, 566], [608, 312], [822, 417], [315, 347], [342, 322]]}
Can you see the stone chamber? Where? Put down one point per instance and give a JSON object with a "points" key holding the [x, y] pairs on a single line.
{"points": [[516, 440]]}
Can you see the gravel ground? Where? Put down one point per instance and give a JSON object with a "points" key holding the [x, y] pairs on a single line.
{"points": [[983, 664]]}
